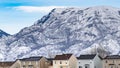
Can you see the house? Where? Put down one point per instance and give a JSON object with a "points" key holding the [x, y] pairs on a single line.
{"points": [[16, 64], [31, 62], [112, 61], [50, 62], [65, 61], [6, 64], [89, 61]]}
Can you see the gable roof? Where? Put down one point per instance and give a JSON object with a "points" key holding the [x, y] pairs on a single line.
{"points": [[112, 57], [63, 57], [87, 56], [31, 59], [6, 64]]}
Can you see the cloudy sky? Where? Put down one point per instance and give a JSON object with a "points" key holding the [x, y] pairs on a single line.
{"points": [[17, 14]]}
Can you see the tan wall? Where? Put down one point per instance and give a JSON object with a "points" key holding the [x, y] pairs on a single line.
{"points": [[111, 62], [16, 64], [36, 64], [71, 63], [64, 63], [44, 63], [50, 67], [5, 67]]}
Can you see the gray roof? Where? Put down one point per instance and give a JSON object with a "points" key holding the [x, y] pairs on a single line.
{"points": [[112, 57], [31, 59], [89, 56]]}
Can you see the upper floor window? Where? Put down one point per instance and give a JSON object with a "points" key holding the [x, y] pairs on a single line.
{"points": [[80, 66], [87, 66], [24, 63], [106, 61], [36, 63], [111, 66], [30, 66], [60, 62], [61, 67], [55, 62], [113, 61], [24, 66]]}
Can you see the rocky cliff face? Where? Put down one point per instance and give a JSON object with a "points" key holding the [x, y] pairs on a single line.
{"points": [[67, 30]]}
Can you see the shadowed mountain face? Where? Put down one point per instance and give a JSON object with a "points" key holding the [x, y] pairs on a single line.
{"points": [[67, 30], [2, 33]]}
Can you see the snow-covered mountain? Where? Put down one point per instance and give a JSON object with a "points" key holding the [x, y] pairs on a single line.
{"points": [[66, 30], [2, 33]]}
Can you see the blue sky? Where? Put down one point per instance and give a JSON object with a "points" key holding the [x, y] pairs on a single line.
{"points": [[17, 14]]}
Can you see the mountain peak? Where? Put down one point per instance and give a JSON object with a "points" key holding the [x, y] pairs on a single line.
{"points": [[68, 30]]}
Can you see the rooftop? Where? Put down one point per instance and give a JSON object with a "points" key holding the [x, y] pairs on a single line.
{"points": [[6, 64], [63, 57], [112, 57], [31, 59], [89, 56]]}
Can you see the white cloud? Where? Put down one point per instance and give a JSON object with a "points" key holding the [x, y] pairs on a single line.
{"points": [[43, 9]]}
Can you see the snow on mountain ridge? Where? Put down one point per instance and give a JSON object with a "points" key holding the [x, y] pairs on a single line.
{"points": [[67, 30]]}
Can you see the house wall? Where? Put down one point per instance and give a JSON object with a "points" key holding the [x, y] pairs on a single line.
{"points": [[73, 62], [35, 64], [50, 67], [114, 62], [83, 62], [97, 62], [5, 67], [64, 63], [16, 64], [44, 63]]}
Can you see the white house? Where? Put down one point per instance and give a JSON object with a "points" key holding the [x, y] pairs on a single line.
{"points": [[89, 61]]}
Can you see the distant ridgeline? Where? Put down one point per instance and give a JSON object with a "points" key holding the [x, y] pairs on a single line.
{"points": [[66, 30]]}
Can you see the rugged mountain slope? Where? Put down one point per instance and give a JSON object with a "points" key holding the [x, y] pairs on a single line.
{"points": [[67, 30], [2, 33]]}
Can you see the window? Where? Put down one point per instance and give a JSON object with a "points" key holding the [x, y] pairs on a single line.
{"points": [[55, 62], [113, 61], [24, 66], [60, 62], [80, 66], [30, 66], [106, 61], [61, 67], [111, 66], [87, 66], [23, 62], [36, 63]]}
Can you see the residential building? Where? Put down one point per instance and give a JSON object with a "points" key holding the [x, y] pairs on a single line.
{"points": [[6, 64], [112, 61], [31, 62], [65, 61], [89, 61], [50, 62]]}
